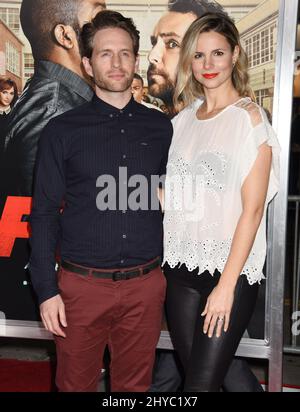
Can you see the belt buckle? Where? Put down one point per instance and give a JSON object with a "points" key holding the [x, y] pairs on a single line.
{"points": [[117, 275]]}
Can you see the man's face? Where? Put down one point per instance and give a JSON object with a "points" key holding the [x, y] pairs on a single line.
{"points": [[137, 90], [88, 9], [164, 56], [113, 62]]}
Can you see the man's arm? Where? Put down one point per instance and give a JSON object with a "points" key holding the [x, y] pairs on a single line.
{"points": [[49, 191], [21, 144]]}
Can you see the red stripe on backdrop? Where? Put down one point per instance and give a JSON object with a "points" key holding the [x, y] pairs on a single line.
{"points": [[11, 225]]}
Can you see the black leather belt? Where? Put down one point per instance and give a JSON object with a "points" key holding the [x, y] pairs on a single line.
{"points": [[116, 275]]}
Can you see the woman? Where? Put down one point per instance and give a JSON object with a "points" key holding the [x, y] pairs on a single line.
{"points": [[222, 172], [8, 96]]}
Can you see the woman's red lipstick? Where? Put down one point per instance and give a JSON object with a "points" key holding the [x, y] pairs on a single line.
{"points": [[210, 75]]}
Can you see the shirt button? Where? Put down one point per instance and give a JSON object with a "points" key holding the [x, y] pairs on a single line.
{"points": [[124, 156], [122, 261], [130, 115], [124, 237], [122, 131], [121, 111], [111, 115]]}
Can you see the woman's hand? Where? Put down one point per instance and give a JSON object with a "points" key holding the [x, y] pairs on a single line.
{"points": [[217, 310]]}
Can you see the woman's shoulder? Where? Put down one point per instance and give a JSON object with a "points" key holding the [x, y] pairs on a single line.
{"points": [[254, 113], [187, 111]]}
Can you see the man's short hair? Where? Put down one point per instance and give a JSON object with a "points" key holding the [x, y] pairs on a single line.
{"points": [[197, 7], [138, 77], [104, 20], [39, 19]]}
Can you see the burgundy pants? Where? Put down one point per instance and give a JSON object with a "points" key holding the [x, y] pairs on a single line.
{"points": [[126, 315]]}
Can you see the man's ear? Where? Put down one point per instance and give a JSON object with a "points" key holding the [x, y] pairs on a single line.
{"points": [[87, 66], [65, 36]]}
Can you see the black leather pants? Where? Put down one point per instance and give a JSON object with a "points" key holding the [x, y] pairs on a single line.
{"points": [[205, 360]]}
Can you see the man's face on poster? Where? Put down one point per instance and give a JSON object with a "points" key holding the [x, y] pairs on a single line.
{"points": [[88, 10], [164, 56]]}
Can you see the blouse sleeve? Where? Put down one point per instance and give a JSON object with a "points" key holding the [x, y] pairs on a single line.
{"points": [[262, 133]]}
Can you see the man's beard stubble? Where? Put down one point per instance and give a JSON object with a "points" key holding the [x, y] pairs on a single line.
{"points": [[107, 85], [164, 91]]}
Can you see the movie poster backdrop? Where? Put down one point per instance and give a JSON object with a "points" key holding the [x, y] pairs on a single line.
{"points": [[257, 23]]}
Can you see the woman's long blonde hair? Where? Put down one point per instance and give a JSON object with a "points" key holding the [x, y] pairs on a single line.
{"points": [[188, 89]]}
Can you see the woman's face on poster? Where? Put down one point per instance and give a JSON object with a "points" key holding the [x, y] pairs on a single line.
{"points": [[6, 97]]}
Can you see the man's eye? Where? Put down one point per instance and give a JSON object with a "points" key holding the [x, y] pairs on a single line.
{"points": [[172, 44]]}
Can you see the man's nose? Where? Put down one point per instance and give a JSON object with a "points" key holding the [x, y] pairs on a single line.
{"points": [[116, 61], [156, 54]]}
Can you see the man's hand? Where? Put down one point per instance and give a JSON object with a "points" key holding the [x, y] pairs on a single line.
{"points": [[53, 315]]}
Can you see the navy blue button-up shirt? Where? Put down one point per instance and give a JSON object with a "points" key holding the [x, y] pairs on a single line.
{"points": [[94, 192]]}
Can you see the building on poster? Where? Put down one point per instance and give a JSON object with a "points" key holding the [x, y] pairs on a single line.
{"points": [[10, 15], [258, 31], [11, 55]]}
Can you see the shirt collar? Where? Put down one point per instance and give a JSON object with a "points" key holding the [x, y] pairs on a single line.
{"points": [[55, 71], [5, 111], [106, 108]]}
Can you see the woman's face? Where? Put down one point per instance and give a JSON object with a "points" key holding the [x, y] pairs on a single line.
{"points": [[213, 61], [6, 97]]}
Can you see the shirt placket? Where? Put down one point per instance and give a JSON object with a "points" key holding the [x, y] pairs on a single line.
{"points": [[124, 130]]}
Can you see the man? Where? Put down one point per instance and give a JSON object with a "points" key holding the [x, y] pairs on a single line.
{"points": [[110, 288], [59, 84], [166, 41], [137, 89], [163, 58]]}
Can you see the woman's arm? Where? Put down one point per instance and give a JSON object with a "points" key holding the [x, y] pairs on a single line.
{"points": [[254, 192], [161, 198]]}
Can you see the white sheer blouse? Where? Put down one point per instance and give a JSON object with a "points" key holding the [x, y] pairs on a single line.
{"points": [[208, 162]]}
